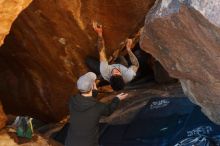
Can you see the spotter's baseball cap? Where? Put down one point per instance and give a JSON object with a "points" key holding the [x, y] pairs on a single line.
{"points": [[85, 82]]}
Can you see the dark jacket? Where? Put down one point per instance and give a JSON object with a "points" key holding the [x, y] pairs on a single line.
{"points": [[85, 113]]}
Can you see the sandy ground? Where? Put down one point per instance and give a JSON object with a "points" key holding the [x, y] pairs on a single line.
{"points": [[7, 140]]}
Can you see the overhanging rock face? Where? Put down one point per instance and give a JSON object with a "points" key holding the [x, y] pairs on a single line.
{"points": [[9, 10], [185, 37], [45, 51]]}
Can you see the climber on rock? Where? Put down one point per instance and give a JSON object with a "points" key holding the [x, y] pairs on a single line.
{"points": [[117, 74], [85, 112]]}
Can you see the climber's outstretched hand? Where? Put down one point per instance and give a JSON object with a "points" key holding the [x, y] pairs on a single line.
{"points": [[97, 27]]}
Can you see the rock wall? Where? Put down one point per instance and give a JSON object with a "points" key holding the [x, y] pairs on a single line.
{"points": [[3, 117], [184, 36], [9, 10], [45, 51]]}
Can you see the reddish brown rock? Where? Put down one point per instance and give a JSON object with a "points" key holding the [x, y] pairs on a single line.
{"points": [[9, 10], [45, 51], [185, 37], [3, 117]]}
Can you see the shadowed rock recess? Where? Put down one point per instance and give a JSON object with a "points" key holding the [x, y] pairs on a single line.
{"points": [[9, 10], [45, 51], [184, 35]]}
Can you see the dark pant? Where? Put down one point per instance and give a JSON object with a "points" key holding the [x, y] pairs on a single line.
{"points": [[93, 64]]}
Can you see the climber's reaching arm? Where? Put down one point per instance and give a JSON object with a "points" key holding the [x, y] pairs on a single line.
{"points": [[133, 58], [101, 42], [101, 47]]}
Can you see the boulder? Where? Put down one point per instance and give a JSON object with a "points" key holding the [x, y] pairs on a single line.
{"points": [[45, 52], [184, 36]]}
